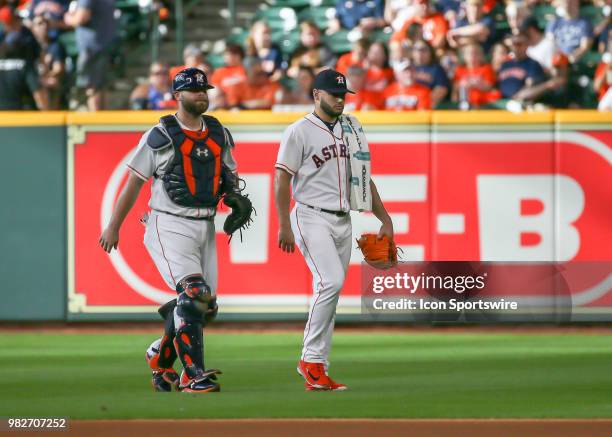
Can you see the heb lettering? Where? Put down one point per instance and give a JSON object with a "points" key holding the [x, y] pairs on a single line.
{"points": [[329, 152]]}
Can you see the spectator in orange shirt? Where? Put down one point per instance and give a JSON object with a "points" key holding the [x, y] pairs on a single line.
{"points": [[362, 100], [226, 78], [379, 74], [257, 91], [356, 56], [473, 82], [401, 50], [434, 25], [405, 94], [603, 74]]}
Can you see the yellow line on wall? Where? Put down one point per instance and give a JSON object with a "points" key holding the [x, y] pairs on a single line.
{"points": [[582, 116], [32, 118], [148, 118]]}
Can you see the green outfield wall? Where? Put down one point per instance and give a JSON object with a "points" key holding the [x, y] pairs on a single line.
{"points": [[33, 221]]}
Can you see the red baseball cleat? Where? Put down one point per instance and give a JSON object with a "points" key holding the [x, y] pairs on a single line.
{"points": [[333, 387], [336, 386], [314, 374]]}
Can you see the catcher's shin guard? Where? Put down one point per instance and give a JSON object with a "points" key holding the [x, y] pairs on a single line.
{"points": [[192, 304], [166, 355], [167, 352]]}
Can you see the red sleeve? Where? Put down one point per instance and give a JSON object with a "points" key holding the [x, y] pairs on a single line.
{"points": [[459, 73], [375, 99], [216, 77], [600, 70], [401, 34], [390, 75], [440, 27], [488, 74], [343, 63], [424, 100], [235, 94]]}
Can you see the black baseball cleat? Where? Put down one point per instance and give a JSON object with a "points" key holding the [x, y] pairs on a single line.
{"points": [[164, 379], [205, 383]]}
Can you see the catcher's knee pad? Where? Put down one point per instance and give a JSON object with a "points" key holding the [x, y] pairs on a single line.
{"points": [[195, 287], [197, 300]]}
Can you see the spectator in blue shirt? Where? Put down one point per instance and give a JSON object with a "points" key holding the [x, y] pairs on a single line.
{"points": [[51, 63], [451, 10], [94, 21], [259, 45], [573, 35], [53, 11], [19, 81], [520, 74], [474, 25], [364, 15], [428, 71]]}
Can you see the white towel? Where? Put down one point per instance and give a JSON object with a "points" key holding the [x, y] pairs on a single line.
{"points": [[357, 144]]}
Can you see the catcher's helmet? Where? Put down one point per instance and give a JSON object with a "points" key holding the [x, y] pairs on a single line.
{"points": [[191, 79]]}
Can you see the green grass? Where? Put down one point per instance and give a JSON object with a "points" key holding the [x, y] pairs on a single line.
{"points": [[390, 375]]}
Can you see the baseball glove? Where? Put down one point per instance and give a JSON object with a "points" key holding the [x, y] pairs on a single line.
{"points": [[240, 218], [380, 253]]}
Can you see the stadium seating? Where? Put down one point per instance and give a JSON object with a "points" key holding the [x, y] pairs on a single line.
{"points": [[338, 41], [278, 18], [320, 15], [287, 41]]}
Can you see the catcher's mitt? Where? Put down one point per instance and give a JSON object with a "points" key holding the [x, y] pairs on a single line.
{"points": [[380, 253], [240, 218]]}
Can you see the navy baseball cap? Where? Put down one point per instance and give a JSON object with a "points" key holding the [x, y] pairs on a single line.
{"points": [[190, 79], [331, 81]]}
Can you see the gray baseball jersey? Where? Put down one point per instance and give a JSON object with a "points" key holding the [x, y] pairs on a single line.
{"points": [[318, 161]]}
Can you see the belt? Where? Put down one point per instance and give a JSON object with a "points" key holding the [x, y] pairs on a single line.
{"points": [[209, 218], [336, 213]]}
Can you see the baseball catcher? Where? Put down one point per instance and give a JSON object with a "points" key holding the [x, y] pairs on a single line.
{"points": [[188, 156]]}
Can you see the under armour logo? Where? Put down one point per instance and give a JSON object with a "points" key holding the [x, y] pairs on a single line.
{"points": [[199, 152], [200, 77], [340, 79]]}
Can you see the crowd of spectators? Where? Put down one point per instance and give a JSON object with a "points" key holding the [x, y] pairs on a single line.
{"points": [[462, 54], [33, 60], [404, 55]]}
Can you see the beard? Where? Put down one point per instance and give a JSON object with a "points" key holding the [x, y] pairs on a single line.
{"points": [[195, 108], [330, 110]]}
